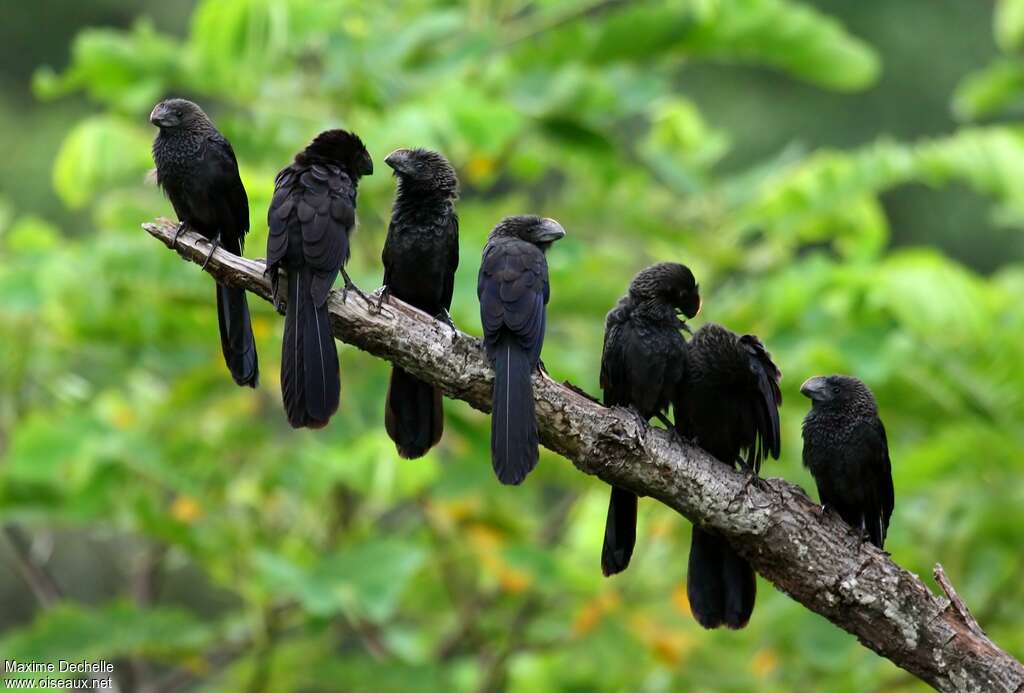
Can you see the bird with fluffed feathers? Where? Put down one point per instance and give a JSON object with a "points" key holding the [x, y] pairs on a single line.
{"points": [[311, 217]]}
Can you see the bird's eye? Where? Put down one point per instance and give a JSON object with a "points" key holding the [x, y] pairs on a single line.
{"points": [[177, 113], [835, 390]]}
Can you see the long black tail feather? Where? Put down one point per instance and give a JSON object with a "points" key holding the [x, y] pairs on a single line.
{"points": [[310, 381], [720, 584], [413, 415], [514, 438], [236, 339], [619, 531]]}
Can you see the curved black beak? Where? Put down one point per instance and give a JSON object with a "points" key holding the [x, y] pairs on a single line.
{"points": [[161, 116], [399, 160], [814, 388], [548, 231]]}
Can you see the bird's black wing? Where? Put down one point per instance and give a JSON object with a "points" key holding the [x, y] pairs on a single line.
{"points": [[513, 289], [326, 212], [226, 192], [391, 252], [452, 252], [314, 205], [871, 445], [281, 207], [639, 364], [886, 492], [613, 376], [766, 403]]}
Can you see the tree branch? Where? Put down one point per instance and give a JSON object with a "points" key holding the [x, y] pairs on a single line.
{"points": [[812, 557], [35, 575], [955, 601]]}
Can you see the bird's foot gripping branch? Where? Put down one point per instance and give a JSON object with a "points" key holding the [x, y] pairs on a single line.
{"points": [[812, 557]]}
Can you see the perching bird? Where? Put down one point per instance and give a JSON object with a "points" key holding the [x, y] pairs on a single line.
{"points": [[311, 217], [196, 167], [846, 450], [421, 254], [642, 365], [729, 404], [513, 290]]}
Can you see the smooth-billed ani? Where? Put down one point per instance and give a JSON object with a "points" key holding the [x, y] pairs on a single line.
{"points": [[513, 290], [197, 169], [728, 404], [421, 254], [846, 450], [311, 216], [642, 365]]}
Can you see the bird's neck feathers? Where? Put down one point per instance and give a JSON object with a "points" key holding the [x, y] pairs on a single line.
{"points": [[413, 198], [653, 310], [851, 408], [175, 153]]}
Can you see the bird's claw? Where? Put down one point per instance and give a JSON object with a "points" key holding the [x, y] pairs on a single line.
{"points": [[752, 480], [641, 422], [275, 298], [177, 233], [214, 244], [673, 433], [382, 296], [351, 286], [446, 318]]}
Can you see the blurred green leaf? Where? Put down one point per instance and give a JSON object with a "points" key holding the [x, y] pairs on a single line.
{"points": [[76, 633], [1009, 24], [126, 70], [98, 153], [366, 579], [995, 89]]}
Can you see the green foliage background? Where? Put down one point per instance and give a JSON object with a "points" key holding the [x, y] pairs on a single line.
{"points": [[819, 187]]}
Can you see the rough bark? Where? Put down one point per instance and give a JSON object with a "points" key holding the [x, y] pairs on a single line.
{"points": [[812, 557]]}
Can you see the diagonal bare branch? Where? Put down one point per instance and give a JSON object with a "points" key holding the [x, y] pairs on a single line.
{"points": [[812, 557]]}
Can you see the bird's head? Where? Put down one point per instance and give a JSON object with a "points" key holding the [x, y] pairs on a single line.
{"points": [[541, 231], [424, 168], [339, 147], [837, 390], [671, 283], [176, 113]]}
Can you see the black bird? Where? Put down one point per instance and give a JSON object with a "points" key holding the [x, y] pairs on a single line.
{"points": [[197, 169], [311, 217], [642, 365], [513, 290], [421, 254], [729, 404], [846, 450]]}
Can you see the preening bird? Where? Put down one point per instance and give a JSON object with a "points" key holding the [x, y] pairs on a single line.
{"points": [[197, 169], [513, 290], [311, 216], [421, 254], [642, 365], [729, 405], [846, 450]]}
